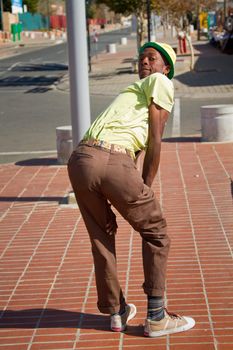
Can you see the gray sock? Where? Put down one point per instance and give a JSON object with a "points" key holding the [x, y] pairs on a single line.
{"points": [[155, 308]]}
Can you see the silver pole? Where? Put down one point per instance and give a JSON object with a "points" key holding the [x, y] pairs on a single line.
{"points": [[78, 69]]}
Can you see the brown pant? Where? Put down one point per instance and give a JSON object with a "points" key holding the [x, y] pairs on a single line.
{"points": [[98, 176]]}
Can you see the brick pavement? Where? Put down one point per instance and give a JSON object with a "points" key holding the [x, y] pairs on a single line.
{"points": [[47, 288], [47, 283]]}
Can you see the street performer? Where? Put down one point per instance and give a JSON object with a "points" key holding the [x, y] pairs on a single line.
{"points": [[103, 173]]}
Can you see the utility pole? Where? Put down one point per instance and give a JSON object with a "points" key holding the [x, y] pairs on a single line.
{"points": [[148, 18], [78, 69]]}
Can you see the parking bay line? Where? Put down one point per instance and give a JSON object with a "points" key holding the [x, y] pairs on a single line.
{"points": [[26, 152], [176, 119]]}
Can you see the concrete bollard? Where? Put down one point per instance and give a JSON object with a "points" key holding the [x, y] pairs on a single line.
{"points": [[111, 48], [64, 143], [217, 123], [123, 41], [52, 36], [64, 36]]}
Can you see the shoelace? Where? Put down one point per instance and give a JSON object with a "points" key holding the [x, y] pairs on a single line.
{"points": [[171, 314]]}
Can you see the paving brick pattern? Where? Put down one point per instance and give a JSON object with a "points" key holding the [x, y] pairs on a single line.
{"points": [[47, 285]]}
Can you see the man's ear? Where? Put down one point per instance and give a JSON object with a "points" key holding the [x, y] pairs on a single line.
{"points": [[166, 69]]}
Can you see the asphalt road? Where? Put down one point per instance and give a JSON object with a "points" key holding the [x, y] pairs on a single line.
{"points": [[31, 108]]}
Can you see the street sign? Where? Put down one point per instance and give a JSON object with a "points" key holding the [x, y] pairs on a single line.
{"points": [[17, 6]]}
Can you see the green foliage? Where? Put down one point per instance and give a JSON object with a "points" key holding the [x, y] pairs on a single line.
{"points": [[176, 7], [124, 7], [7, 5], [90, 9], [31, 5]]}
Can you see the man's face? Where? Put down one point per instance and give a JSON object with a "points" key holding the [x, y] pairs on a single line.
{"points": [[151, 61]]}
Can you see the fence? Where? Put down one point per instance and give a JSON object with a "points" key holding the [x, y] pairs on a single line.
{"points": [[37, 21]]}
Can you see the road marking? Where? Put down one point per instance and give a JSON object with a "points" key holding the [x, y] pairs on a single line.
{"points": [[59, 42], [176, 119], [26, 152], [13, 66]]}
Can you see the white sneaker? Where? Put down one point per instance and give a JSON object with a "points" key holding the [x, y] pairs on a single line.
{"points": [[171, 323], [119, 322]]}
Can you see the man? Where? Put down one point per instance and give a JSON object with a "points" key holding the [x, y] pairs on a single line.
{"points": [[102, 171]]}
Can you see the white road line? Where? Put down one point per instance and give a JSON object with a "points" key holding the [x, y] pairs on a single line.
{"points": [[26, 152], [176, 119], [13, 66]]}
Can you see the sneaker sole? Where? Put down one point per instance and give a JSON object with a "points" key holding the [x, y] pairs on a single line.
{"points": [[118, 329], [190, 324], [130, 317]]}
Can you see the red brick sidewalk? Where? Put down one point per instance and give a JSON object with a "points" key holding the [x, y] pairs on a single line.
{"points": [[47, 288]]}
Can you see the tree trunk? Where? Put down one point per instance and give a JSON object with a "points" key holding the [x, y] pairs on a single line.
{"points": [[141, 24]]}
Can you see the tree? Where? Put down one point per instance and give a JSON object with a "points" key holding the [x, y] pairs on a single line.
{"points": [[173, 10], [49, 7], [177, 11], [128, 7], [32, 5], [7, 5]]}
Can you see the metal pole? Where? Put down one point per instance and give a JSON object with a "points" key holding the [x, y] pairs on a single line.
{"points": [[148, 19], [78, 69], [198, 21], [48, 13], [88, 34], [224, 10], [1, 3], [89, 45]]}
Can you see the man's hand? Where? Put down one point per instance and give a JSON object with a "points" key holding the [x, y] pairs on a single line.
{"points": [[157, 120]]}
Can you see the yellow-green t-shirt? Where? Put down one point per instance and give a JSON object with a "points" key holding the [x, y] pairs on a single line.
{"points": [[125, 121]]}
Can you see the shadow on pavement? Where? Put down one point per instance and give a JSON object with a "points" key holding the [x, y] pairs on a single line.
{"points": [[31, 199], [16, 81], [34, 67], [53, 318], [183, 139], [211, 68], [12, 79], [38, 162]]}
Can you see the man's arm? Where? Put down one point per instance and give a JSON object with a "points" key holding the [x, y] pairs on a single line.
{"points": [[157, 121]]}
